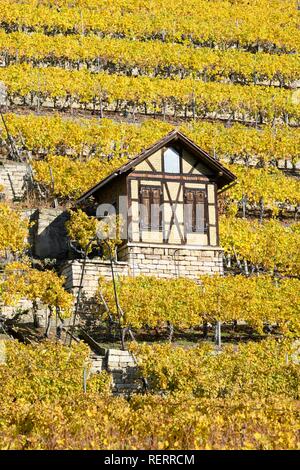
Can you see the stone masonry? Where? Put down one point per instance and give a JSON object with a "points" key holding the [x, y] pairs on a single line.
{"points": [[125, 377], [167, 261], [122, 367], [95, 268], [163, 262], [22, 312], [50, 239], [13, 177]]}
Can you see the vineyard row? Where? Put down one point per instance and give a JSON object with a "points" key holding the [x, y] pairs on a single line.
{"points": [[200, 22], [252, 246], [263, 191], [62, 89], [245, 398], [152, 58], [185, 304], [87, 138], [233, 373]]}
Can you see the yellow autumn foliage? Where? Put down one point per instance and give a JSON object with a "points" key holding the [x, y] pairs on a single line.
{"points": [[153, 302], [89, 232], [204, 404], [270, 245], [13, 230], [24, 282]]}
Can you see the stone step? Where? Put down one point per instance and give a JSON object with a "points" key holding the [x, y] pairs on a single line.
{"points": [[98, 363]]}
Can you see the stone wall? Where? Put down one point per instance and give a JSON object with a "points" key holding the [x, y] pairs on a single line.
{"points": [[122, 367], [13, 176], [93, 270], [125, 377], [163, 262], [22, 312], [167, 261], [50, 239]]}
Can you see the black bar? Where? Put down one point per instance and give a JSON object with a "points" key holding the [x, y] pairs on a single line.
{"points": [[143, 458]]}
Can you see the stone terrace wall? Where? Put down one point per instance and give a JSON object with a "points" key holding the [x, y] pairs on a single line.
{"points": [[168, 262], [22, 312], [93, 270], [164, 262], [124, 372], [50, 239], [13, 177], [122, 367]]}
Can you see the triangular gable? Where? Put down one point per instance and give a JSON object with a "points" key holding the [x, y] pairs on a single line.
{"points": [[184, 163], [224, 176]]}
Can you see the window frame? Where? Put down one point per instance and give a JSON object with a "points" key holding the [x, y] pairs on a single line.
{"points": [[179, 151], [148, 227], [192, 227]]}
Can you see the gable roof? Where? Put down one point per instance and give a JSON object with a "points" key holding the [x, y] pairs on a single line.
{"points": [[224, 175]]}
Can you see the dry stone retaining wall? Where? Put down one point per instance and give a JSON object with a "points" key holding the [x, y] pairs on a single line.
{"points": [[122, 367], [13, 176], [22, 312], [124, 372], [50, 234], [95, 268]]}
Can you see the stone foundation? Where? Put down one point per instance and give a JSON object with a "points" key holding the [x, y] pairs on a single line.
{"points": [[163, 261], [168, 261]]}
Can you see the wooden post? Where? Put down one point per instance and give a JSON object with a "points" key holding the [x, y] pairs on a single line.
{"points": [[218, 335]]}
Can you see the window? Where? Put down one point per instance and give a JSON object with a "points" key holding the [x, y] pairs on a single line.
{"points": [[171, 161], [195, 210], [150, 210]]}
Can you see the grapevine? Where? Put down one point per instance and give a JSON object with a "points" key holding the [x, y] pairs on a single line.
{"points": [[13, 231], [187, 97], [153, 302], [44, 407], [23, 282], [270, 245], [152, 58], [223, 24]]}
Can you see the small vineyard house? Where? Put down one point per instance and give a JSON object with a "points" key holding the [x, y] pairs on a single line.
{"points": [[168, 198]]}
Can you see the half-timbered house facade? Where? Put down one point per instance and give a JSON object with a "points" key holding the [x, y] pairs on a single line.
{"points": [[168, 197]]}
